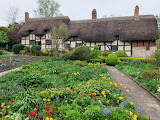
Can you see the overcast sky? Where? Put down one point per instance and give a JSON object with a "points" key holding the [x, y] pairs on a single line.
{"points": [[81, 9]]}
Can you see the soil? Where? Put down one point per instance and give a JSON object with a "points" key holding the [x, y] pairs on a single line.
{"points": [[12, 61]]}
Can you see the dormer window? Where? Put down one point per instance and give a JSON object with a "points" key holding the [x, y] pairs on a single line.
{"points": [[75, 38], [116, 37], [46, 31], [31, 31]]}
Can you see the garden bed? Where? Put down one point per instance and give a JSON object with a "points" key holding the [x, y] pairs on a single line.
{"points": [[62, 90], [8, 62]]}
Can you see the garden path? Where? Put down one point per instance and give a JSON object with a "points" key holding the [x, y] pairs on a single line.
{"points": [[141, 97]]}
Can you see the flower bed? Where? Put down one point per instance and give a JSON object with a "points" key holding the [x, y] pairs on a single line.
{"points": [[62, 90]]}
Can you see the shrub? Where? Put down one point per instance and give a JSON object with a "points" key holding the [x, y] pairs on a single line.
{"points": [[103, 58], [27, 49], [112, 59], [106, 52], [96, 60], [82, 53], [68, 56], [35, 50], [78, 62], [17, 47], [46, 52], [121, 53], [151, 73], [22, 52], [157, 56], [1, 52], [137, 59], [95, 51]]}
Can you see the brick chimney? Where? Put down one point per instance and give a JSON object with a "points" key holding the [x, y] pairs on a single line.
{"points": [[26, 16], [94, 14], [136, 11]]}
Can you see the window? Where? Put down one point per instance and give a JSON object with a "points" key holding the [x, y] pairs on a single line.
{"points": [[67, 46], [116, 37], [32, 42], [48, 42], [31, 31], [46, 31], [75, 38], [78, 44], [114, 48]]}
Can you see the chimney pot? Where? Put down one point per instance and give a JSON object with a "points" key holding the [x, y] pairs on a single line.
{"points": [[26, 16], [94, 14], [136, 11]]}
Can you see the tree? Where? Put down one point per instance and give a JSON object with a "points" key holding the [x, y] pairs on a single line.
{"points": [[3, 37], [47, 8], [58, 34], [12, 15]]}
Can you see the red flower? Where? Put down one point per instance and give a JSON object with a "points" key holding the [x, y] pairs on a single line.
{"points": [[4, 112], [31, 83], [54, 108], [10, 102], [47, 108], [37, 107], [3, 60], [29, 116], [92, 94], [73, 90], [32, 113], [94, 98], [48, 113], [62, 75]]}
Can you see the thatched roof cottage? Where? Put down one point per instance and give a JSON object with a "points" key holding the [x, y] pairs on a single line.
{"points": [[136, 34]]}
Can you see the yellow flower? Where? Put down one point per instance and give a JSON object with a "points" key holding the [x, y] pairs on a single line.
{"points": [[125, 87], [67, 88], [131, 113], [127, 90], [121, 98], [135, 117], [68, 79], [47, 118], [103, 92], [44, 99], [131, 103], [109, 91], [110, 83], [115, 84], [48, 100], [104, 77], [100, 74], [50, 118], [2, 104], [104, 95], [120, 84], [75, 73]]}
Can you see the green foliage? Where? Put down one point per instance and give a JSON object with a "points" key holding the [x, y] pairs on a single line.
{"points": [[96, 60], [112, 59], [103, 58], [1, 52], [68, 56], [17, 47], [121, 53], [137, 59], [157, 56], [3, 37], [26, 101], [95, 52], [22, 52], [4, 29], [27, 49], [106, 52], [151, 73], [78, 62], [46, 52], [82, 53], [36, 50]]}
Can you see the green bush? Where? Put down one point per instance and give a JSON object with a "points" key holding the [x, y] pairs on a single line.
{"points": [[96, 60], [157, 56], [103, 58], [106, 52], [78, 62], [27, 49], [137, 59], [151, 73], [81, 53], [46, 52], [112, 59], [17, 47], [68, 56], [36, 50], [121, 53], [1, 52], [22, 52]]}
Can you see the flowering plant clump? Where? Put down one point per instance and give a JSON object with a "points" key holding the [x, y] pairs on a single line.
{"points": [[68, 90]]}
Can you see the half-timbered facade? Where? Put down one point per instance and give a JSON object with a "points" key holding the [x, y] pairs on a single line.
{"points": [[136, 34]]}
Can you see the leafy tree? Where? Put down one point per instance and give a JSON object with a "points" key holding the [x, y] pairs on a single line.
{"points": [[3, 37], [58, 34], [47, 8]]}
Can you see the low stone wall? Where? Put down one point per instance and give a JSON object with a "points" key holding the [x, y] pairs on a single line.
{"points": [[142, 52]]}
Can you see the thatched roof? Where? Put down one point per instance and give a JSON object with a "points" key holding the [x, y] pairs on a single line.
{"points": [[128, 28], [40, 25]]}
